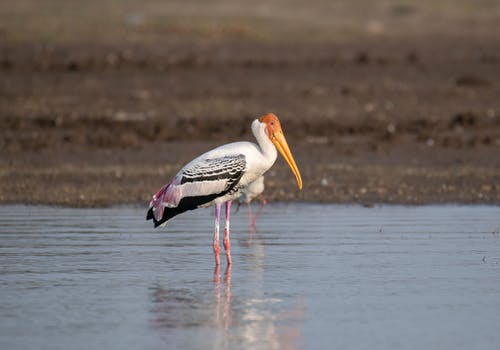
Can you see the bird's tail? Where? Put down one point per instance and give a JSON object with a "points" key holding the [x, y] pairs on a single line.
{"points": [[150, 215], [167, 214], [167, 203], [157, 207]]}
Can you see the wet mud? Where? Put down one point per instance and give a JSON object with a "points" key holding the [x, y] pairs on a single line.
{"points": [[393, 119]]}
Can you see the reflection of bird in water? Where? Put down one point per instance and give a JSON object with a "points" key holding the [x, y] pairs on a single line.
{"points": [[253, 320], [223, 321], [227, 320], [248, 194], [219, 176]]}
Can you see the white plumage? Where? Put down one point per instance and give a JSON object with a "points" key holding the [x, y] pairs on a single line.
{"points": [[253, 190]]}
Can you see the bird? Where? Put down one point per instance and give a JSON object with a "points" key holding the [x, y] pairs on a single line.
{"points": [[218, 176], [249, 193]]}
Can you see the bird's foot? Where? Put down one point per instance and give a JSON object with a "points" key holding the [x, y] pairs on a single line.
{"points": [[227, 247], [217, 253]]}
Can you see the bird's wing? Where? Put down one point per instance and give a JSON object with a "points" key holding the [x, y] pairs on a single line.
{"points": [[212, 176], [223, 170], [202, 180]]}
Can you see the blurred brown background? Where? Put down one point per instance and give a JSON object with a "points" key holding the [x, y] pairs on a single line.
{"points": [[381, 101]]}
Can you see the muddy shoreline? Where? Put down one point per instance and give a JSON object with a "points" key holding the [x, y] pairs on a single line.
{"points": [[376, 121]]}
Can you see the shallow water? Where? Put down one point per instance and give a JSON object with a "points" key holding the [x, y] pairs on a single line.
{"points": [[311, 276]]}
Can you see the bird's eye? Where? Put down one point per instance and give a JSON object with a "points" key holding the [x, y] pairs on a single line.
{"points": [[272, 123]]}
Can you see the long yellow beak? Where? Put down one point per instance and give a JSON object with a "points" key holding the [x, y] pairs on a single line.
{"points": [[279, 141]]}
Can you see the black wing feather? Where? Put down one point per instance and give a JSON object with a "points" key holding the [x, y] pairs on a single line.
{"points": [[229, 168]]}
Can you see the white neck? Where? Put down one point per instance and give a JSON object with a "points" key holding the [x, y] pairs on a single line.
{"points": [[267, 148]]}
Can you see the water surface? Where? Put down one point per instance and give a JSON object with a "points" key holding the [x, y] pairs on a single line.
{"points": [[311, 277]]}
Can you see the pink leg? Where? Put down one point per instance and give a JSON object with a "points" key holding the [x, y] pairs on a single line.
{"points": [[216, 235], [227, 244], [250, 217], [262, 204], [251, 225]]}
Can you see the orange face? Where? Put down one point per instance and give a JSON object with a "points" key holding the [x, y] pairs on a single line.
{"points": [[272, 123], [277, 137]]}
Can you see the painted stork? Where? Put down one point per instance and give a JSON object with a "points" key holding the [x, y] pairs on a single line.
{"points": [[218, 176], [248, 194]]}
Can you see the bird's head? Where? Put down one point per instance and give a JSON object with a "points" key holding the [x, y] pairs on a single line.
{"points": [[275, 134]]}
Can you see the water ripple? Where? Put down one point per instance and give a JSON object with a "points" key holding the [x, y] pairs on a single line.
{"points": [[311, 276]]}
